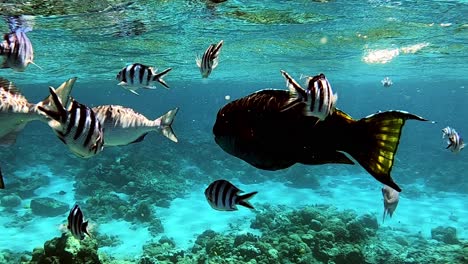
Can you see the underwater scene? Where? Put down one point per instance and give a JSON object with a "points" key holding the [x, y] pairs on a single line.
{"points": [[233, 131]]}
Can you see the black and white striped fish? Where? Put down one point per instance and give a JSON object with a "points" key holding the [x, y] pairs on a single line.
{"points": [[76, 224], [135, 76], [224, 196], [77, 126], [16, 48], [209, 61], [2, 183], [319, 98], [454, 141]]}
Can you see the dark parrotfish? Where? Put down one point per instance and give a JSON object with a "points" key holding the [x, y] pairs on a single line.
{"points": [[258, 130]]}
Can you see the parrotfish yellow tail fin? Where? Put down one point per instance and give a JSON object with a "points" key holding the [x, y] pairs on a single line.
{"points": [[375, 142], [244, 200], [166, 124]]}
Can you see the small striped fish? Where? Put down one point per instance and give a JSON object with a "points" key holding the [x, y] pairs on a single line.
{"points": [[78, 228], [319, 98], [16, 47], [76, 126], [387, 82], [135, 76], [224, 196], [209, 61], [391, 198], [454, 141], [2, 184]]}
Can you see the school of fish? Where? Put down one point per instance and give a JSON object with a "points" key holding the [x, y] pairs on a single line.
{"points": [[271, 129]]}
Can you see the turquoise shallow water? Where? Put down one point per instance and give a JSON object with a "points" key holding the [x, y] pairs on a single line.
{"points": [[420, 45]]}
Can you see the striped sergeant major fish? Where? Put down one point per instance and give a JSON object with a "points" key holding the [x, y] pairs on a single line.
{"points": [[124, 126], [76, 224], [16, 111], [76, 126], [224, 196], [391, 198], [209, 61], [318, 99], [136, 75], [454, 141], [2, 183], [16, 48]]}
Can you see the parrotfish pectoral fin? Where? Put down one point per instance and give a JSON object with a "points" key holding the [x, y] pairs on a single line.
{"points": [[166, 124], [159, 77], [374, 141], [243, 200]]}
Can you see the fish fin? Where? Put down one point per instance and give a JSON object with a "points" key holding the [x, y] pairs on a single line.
{"points": [[297, 94], [166, 124], [10, 138], [84, 228], [139, 139], [324, 158], [122, 83], [33, 63], [159, 77], [243, 200], [375, 140], [198, 61], [133, 91], [59, 114], [63, 92]]}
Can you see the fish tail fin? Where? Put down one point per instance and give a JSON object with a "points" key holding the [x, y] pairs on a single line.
{"points": [[243, 200], [63, 92], [166, 124], [159, 77], [84, 228], [375, 142], [55, 110]]}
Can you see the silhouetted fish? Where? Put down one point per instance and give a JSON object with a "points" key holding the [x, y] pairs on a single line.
{"points": [[391, 198], [257, 130], [2, 184]]}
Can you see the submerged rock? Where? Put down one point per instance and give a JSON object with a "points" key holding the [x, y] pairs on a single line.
{"points": [[448, 235], [10, 201], [48, 207]]}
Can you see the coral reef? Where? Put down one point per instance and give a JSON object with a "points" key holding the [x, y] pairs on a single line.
{"points": [[67, 249], [48, 207]]}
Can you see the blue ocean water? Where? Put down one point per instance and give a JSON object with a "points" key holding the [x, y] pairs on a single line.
{"points": [[137, 194]]}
